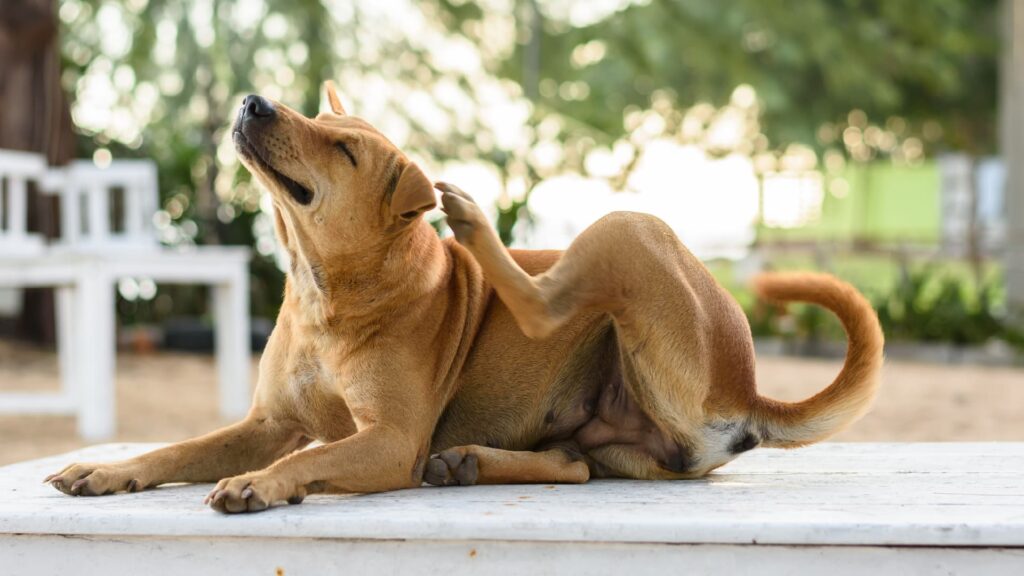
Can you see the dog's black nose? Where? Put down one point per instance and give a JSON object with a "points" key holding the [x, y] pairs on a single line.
{"points": [[257, 107]]}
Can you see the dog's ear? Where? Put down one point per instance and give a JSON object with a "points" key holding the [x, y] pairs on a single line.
{"points": [[332, 98], [413, 194]]}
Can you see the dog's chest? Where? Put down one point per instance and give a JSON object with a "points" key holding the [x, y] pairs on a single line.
{"points": [[316, 399], [307, 375]]}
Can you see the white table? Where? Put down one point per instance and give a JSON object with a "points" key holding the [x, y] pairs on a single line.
{"points": [[840, 508], [97, 247], [85, 286]]}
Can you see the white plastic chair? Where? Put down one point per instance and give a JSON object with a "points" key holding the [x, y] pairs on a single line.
{"points": [[23, 264], [87, 195], [17, 169], [94, 252]]}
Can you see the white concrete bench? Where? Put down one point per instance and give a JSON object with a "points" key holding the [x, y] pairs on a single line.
{"points": [[831, 508]]}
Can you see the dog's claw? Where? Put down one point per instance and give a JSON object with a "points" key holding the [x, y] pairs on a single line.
{"points": [[447, 188], [77, 486]]}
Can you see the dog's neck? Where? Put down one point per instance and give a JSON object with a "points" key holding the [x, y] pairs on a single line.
{"points": [[353, 293]]}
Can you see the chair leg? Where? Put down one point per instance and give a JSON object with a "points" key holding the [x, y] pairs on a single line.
{"points": [[231, 308], [94, 350], [65, 300]]}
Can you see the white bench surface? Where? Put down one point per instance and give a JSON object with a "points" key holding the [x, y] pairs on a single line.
{"points": [[950, 494], [837, 509]]}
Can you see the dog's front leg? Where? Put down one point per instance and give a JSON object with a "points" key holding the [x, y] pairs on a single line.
{"points": [[376, 459], [394, 419], [247, 445]]}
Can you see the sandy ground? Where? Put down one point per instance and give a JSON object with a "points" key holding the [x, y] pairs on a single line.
{"points": [[169, 397]]}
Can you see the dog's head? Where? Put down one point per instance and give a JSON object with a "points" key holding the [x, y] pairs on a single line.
{"points": [[339, 186]]}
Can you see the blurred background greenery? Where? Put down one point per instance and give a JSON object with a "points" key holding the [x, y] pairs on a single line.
{"points": [[854, 136]]}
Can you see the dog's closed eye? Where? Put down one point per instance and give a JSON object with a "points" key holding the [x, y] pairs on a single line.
{"points": [[347, 151], [298, 192]]}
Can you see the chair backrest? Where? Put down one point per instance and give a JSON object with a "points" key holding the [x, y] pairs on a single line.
{"points": [[17, 169], [109, 208]]}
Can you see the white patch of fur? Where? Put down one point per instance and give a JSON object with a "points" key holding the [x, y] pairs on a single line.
{"points": [[719, 435]]}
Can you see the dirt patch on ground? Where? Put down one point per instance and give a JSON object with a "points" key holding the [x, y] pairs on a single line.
{"points": [[168, 397]]}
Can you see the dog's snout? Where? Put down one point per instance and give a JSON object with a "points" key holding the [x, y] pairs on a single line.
{"points": [[254, 106]]}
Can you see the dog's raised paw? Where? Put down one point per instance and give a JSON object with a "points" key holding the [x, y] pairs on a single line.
{"points": [[452, 468], [464, 215]]}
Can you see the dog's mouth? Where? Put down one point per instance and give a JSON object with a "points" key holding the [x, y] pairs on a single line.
{"points": [[297, 191]]}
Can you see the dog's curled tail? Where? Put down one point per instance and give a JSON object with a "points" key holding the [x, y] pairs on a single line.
{"points": [[788, 425]]}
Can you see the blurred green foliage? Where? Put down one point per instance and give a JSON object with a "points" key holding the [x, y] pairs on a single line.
{"points": [[928, 303], [929, 63], [931, 305]]}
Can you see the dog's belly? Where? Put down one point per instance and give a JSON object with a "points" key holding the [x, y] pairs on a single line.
{"points": [[568, 391], [513, 392]]}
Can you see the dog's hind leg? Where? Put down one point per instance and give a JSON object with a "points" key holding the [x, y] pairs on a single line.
{"points": [[467, 465], [587, 276], [685, 342]]}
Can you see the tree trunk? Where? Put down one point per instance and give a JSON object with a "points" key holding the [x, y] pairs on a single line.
{"points": [[34, 116]]}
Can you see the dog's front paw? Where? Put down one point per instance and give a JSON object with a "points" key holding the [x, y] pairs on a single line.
{"points": [[464, 215], [452, 467], [253, 492], [96, 479]]}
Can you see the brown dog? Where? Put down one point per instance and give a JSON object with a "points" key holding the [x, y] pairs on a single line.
{"points": [[412, 358]]}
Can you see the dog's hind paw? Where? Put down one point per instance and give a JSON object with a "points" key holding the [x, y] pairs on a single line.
{"points": [[464, 215], [452, 468]]}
